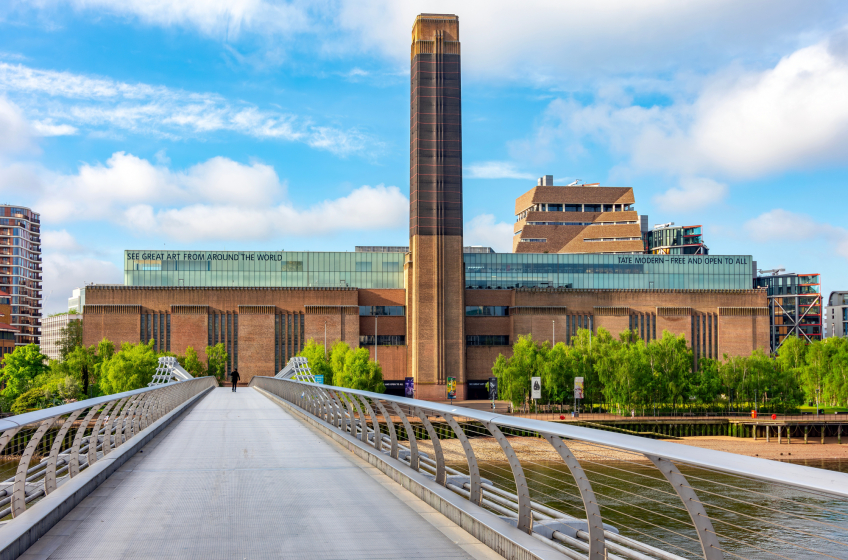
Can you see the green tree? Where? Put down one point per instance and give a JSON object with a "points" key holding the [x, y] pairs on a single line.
{"points": [[361, 373], [192, 363], [673, 364], [337, 358], [21, 366], [216, 361], [131, 368], [70, 337], [514, 373], [318, 362]]}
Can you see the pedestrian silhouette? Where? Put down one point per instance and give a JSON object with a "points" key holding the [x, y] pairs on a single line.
{"points": [[234, 377]]}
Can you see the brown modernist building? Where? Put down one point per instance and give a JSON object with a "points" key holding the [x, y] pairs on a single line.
{"points": [[433, 310]]}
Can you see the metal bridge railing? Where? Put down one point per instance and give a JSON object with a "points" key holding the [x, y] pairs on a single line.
{"points": [[41, 450], [596, 494]]}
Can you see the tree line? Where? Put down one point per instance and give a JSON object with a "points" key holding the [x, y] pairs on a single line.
{"points": [[344, 366], [659, 377], [32, 381]]}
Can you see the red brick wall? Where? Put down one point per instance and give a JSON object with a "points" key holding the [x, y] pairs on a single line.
{"points": [[613, 324], [480, 360], [385, 325], [676, 325], [118, 328], [738, 336], [256, 346], [487, 325], [189, 330], [392, 359], [314, 328]]}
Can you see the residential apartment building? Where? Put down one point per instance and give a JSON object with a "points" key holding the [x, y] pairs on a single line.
{"points": [[668, 239], [51, 333], [20, 270], [836, 314], [576, 219], [795, 305]]}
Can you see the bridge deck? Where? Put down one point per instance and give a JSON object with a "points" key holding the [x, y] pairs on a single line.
{"points": [[238, 477]]}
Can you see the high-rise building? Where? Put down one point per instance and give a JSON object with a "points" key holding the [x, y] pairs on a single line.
{"points": [[20, 270], [836, 314], [668, 239], [77, 300], [576, 219], [434, 269], [51, 333], [795, 305]]}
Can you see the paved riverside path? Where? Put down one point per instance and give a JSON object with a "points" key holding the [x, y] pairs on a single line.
{"points": [[239, 478]]}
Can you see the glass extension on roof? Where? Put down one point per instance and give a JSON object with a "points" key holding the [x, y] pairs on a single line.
{"points": [[385, 270], [594, 271], [271, 269]]}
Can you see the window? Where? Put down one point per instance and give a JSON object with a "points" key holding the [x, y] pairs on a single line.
{"points": [[613, 239], [381, 311], [554, 207], [382, 340], [531, 240], [486, 311], [487, 340], [363, 267], [572, 208], [591, 207], [608, 208]]}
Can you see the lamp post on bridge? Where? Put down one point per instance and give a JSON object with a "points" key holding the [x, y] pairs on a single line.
{"points": [[325, 340]]}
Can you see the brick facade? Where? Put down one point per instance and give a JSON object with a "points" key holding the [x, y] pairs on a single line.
{"points": [[731, 322]]}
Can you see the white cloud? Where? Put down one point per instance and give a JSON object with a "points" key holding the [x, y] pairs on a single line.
{"points": [[542, 41], [366, 208], [217, 199], [495, 170], [60, 103], [693, 194], [16, 134], [484, 230], [740, 124], [60, 241], [783, 226], [62, 274]]}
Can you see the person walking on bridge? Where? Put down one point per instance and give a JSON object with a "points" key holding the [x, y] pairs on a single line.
{"points": [[234, 377]]}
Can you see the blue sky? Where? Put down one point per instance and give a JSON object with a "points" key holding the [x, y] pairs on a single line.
{"points": [[267, 125]]}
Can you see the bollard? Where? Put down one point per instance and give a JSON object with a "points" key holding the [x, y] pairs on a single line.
{"points": [[754, 431], [768, 433], [779, 429], [806, 433]]}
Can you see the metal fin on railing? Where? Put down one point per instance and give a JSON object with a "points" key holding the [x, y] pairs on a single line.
{"points": [[169, 371]]}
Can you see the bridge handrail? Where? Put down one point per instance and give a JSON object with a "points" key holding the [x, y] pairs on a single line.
{"points": [[36, 416], [66, 442], [799, 476], [341, 407]]}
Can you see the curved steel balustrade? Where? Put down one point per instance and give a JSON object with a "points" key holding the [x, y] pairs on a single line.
{"points": [[726, 484], [47, 447]]}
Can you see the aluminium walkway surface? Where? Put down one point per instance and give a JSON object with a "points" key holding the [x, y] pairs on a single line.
{"points": [[238, 477]]}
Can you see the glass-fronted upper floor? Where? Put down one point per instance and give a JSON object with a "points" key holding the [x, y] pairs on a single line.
{"points": [[482, 271], [258, 269], [790, 284], [604, 271]]}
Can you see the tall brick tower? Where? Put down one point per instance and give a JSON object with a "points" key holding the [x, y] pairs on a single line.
{"points": [[435, 272]]}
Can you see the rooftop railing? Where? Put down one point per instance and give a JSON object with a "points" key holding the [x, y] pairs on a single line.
{"points": [[595, 494]]}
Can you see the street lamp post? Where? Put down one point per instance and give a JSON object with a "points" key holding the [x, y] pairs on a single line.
{"points": [[553, 332], [325, 340], [375, 337]]}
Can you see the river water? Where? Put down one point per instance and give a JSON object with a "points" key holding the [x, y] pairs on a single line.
{"points": [[754, 519]]}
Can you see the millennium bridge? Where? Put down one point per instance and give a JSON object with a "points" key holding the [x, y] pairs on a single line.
{"points": [[290, 468]]}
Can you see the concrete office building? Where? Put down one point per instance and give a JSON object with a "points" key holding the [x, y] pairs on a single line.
{"points": [[20, 270], [51, 333], [77, 300], [432, 310], [836, 314]]}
